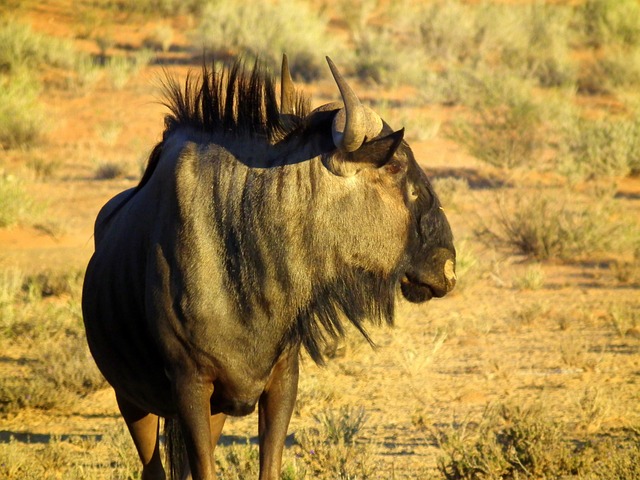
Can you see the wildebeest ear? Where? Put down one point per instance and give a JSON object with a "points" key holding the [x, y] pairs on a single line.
{"points": [[374, 154], [378, 152]]}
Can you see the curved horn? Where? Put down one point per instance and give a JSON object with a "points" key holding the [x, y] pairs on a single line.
{"points": [[349, 126], [287, 89], [355, 122]]}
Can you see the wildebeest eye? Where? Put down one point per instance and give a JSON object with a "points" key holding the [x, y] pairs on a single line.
{"points": [[393, 167]]}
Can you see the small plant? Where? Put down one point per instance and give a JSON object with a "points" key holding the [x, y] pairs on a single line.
{"points": [[605, 21], [109, 132], [108, 170], [594, 409], [15, 204], [556, 225], [237, 462], [160, 39], [119, 70], [21, 47], [239, 28], [43, 168], [344, 427], [624, 319], [451, 190], [528, 314], [508, 442], [596, 148], [332, 451], [22, 119], [105, 41], [532, 279], [505, 130]]}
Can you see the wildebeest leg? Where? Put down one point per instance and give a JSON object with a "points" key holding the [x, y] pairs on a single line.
{"points": [[274, 410], [216, 423], [143, 427], [192, 396]]}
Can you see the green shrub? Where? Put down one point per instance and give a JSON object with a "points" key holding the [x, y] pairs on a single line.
{"points": [[333, 450], [601, 147], [160, 39], [108, 170], [505, 129], [556, 224], [41, 313], [601, 22], [539, 47], [530, 41], [15, 204], [452, 33], [21, 47], [21, 115], [510, 443], [619, 67], [161, 8], [119, 70], [256, 29], [237, 462]]}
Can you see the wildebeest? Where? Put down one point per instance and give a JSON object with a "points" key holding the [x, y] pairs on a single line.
{"points": [[257, 228]]}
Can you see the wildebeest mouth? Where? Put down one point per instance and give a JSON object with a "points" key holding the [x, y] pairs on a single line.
{"points": [[417, 291]]}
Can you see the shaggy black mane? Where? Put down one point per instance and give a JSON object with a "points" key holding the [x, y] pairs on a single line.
{"points": [[231, 100]]}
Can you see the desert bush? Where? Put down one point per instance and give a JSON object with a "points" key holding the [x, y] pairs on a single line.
{"points": [[108, 170], [555, 224], [506, 126], [380, 58], [22, 121], [21, 47], [532, 278], [617, 67], [382, 47], [451, 32], [43, 315], [232, 28], [450, 190], [156, 8], [52, 284], [332, 450], [509, 443], [602, 22], [592, 148], [71, 458], [15, 204], [624, 319], [537, 45], [616, 461], [529, 41], [160, 39], [119, 70]]}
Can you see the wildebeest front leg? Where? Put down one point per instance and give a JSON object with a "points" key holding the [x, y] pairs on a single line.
{"points": [[143, 427], [192, 396], [274, 410]]}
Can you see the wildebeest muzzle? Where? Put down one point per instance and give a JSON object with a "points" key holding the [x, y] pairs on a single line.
{"points": [[434, 277]]}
